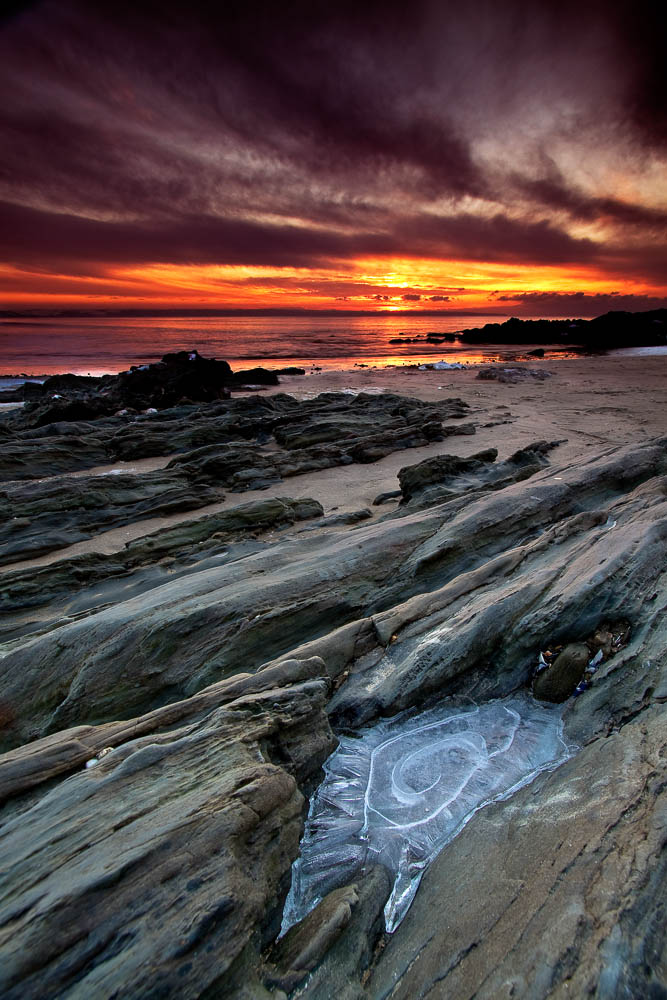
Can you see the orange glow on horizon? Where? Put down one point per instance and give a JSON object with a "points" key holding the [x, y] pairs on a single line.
{"points": [[373, 284]]}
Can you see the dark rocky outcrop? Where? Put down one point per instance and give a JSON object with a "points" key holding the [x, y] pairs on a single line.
{"points": [[446, 476], [235, 466], [180, 376], [55, 513], [60, 384], [359, 428], [443, 468], [429, 338], [236, 446], [25, 458], [41, 598], [612, 330]]}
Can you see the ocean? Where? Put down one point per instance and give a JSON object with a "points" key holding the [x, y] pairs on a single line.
{"points": [[98, 346]]}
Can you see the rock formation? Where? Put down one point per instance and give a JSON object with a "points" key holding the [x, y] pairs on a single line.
{"points": [[204, 672]]}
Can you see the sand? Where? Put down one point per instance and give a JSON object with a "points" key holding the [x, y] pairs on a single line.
{"points": [[587, 403]]}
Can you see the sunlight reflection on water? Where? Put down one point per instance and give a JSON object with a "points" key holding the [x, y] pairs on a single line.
{"points": [[110, 344]]}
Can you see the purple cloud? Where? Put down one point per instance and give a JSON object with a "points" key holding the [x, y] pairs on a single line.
{"points": [[314, 134], [579, 304]]}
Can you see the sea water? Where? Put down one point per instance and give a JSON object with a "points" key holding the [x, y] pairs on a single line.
{"points": [[103, 345]]}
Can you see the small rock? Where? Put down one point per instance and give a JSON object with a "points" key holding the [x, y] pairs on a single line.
{"points": [[565, 673], [602, 640], [387, 497], [303, 946]]}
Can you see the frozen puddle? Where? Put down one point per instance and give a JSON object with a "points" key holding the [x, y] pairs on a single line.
{"points": [[401, 789]]}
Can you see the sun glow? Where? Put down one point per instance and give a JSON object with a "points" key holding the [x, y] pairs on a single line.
{"points": [[375, 284]]}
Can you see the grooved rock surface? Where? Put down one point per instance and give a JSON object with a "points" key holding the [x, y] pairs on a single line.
{"points": [[203, 668], [560, 891], [177, 849], [441, 593], [40, 517]]}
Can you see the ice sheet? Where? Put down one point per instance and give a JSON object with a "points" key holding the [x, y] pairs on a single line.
{"points": [[401, 789]]}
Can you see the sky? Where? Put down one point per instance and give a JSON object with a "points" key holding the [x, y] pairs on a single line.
{"points": [[506, 156]]}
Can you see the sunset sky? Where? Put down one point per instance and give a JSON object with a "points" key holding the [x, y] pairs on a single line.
{"points": [[507, 155]]}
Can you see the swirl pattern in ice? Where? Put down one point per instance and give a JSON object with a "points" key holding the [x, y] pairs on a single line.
{"points": [[403, 788]]}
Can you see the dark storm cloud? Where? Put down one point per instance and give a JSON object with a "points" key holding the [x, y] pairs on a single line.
{"points": [[34, 237], [579, 303], [642, 29], [552, 191], [165, 133], [497, 238], [30, 236], [298, 86]]}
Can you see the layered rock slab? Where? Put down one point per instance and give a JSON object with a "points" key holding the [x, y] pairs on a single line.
{"points": [[332, 424], [40, 598], [233, 446], [455, 598], [158, 870], [423, 603], [38, 518]]}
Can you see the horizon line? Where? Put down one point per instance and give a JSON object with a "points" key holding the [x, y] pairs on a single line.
{"points": [[40, 313]]}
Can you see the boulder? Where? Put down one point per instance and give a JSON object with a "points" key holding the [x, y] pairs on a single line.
{"points": [[255, 376], [69, 383], [414, 478], [32, 390], [559, 680]]}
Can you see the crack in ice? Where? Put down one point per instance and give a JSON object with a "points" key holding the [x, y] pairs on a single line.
{"points": [[403, 788]]}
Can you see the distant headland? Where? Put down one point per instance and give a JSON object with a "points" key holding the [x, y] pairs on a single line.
{"points": [[613, 329]]}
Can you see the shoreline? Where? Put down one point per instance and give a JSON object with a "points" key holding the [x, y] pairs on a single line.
{"points": [[105, 345], [471, 355]]}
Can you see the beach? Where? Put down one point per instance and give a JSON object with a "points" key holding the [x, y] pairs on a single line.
{"points": [[202, 602], [586, 403]]}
